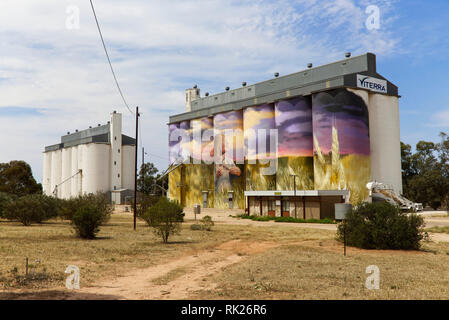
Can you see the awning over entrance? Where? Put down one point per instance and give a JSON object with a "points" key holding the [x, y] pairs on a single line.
{"points": [[300, 193]]}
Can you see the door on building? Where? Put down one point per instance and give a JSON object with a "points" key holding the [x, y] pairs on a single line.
{"points": [[271, 208], [205, 193], [286, 208]]}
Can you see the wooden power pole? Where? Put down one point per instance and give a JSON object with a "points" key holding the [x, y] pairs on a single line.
{"points": [[135, 167]]}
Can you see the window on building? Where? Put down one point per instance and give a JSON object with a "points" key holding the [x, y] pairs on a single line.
{"points": [[115, 187], [115, 138], [118, 175], [286, 205], [115, 163], [119, 150], [271, 205]]}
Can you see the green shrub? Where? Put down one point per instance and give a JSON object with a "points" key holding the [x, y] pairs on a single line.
{"points": [[196, 227], [165, 217], [87, 220], [381, 225], [67, 208], [207, 223], [34, 208]]}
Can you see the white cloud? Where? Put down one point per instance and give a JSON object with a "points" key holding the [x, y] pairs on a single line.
{"points": [[439, 119]]}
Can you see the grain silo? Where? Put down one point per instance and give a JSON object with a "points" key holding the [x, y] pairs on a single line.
{"points": [[98, 159], [336, 127]]}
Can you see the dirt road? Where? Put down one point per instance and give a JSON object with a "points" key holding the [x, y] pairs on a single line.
{"points": [[176, 279]]}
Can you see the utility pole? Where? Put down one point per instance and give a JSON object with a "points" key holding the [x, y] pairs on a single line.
{"points": [[135, 167], [294, 192]]}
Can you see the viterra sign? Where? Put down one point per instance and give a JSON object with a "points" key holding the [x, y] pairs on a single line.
{"points": [[372, 84]]}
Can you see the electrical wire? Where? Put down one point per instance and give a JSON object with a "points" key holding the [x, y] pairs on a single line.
{"points": [[109, 60]]}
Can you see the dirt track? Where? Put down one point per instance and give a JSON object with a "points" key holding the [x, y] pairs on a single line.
{"points": [[143, 284]]}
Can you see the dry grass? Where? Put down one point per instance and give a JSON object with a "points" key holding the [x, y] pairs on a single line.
{"points": [[438, 229], [170, 276], [318, 270], [279, 262], [118, 248]]}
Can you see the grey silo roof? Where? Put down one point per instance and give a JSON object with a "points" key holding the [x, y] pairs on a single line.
{"points": [[338, 74]]}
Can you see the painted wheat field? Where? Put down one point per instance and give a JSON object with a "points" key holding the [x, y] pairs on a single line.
{"points": [[256, 180], [199, 178], [302, 167]]}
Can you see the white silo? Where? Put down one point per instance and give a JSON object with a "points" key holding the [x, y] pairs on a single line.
{"points": [[115, 137], [46, 176], [384, 132], [66, 184], [385, 140], [56, 172], [96, 168], [128, 167], [75, 181]]}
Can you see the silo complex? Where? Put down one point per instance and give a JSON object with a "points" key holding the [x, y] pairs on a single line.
{"points": [[327, 131], [98, 159]]}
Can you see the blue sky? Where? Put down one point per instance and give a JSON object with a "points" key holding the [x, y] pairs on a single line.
{"points": [[54, 79]]}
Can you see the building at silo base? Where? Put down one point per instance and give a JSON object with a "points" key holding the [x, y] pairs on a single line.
{"points": [[336, 127], [98, 159]]}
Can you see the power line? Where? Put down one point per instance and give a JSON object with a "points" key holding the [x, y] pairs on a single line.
{"points": [[107, 56], [140, 129], [154, 155]]}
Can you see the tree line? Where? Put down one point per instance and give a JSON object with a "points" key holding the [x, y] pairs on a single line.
{"points": [[425, 172]]}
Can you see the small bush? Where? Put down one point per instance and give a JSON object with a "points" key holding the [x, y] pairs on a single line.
{"points": [[207, 223], [35, 208], [196, 227], [165, 217], [87, 220], [381, 225], [67, 208]]}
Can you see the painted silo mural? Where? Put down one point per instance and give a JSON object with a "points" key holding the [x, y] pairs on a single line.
{"points": [[200, 174], [229, 153], [174, 150], [257, 122], [295, 144], [341, 142]]}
